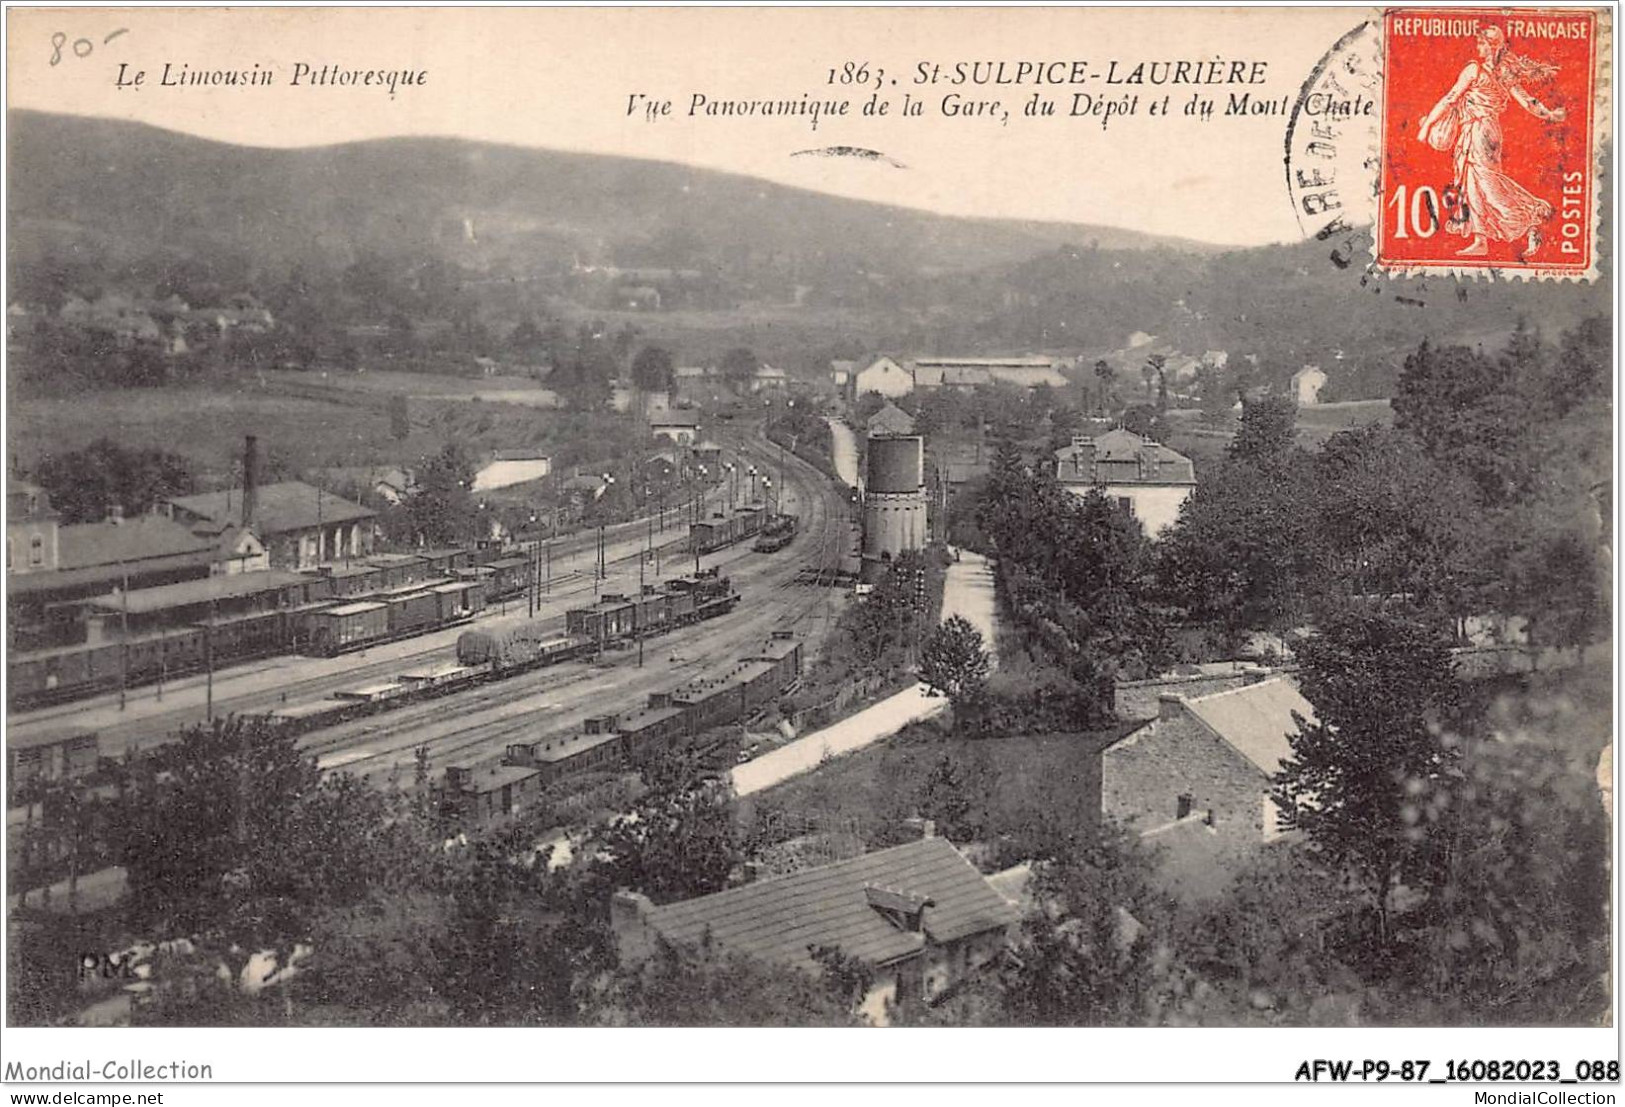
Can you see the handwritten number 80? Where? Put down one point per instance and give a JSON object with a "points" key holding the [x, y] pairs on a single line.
{"points": [[82, 47]]}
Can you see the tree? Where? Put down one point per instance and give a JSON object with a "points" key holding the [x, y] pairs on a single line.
{"points": [[1517, 929], [708, 985], [400, 418], [1390, 523], [1468, 414], [1103, 374], [442, 511], [1086, 954], [1218, 392], [83, 484], [1582, 372], [953, 662], [1275, 936], [945, 798], [678, 841], [653, 370], [526, 341], [512, 950], [1366, 778], [739, 365], [1268, 429], [1242, 555], [1142, 419], [1556, 580], [1158, 365], [235, 838]]}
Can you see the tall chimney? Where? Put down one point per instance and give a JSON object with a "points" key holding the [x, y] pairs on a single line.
{"points": [[251, 478]]}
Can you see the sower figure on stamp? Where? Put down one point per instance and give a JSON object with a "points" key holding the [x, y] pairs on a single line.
{"points": [[1467, 120]]}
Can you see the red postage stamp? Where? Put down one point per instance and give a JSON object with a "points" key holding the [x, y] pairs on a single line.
{"points": [[1488, 141]]}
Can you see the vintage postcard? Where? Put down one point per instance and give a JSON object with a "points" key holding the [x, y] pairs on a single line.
{"points": [[566, 520]]}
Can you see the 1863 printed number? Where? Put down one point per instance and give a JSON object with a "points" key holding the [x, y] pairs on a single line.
{"points": [[858, 73]]}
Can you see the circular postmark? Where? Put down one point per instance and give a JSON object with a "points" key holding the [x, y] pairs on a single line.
{"points": [[1331, 159]]}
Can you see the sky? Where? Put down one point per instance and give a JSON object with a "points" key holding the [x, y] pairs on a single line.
{"points": [[564, 78]]}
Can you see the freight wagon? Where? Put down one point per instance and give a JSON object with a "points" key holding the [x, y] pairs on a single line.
{"points": [[346, 626], [612, 617], [611, 742], [59, 754], [508, 577], [512, 650], [709, 535], [777, 533]]}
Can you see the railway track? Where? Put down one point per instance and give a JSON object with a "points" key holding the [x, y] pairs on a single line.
{"points": [[461, 730], [156, 728]]}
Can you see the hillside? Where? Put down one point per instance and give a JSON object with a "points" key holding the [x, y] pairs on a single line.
{"points": [[476, 204], [475, 237]]}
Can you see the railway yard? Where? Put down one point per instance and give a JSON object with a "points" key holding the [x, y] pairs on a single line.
{"points": [[781, 588]]}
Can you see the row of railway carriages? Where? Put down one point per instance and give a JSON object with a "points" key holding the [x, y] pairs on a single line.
{"points": [[496, 653], [733, 693], [147, 635], [482, 655], [724, 529]]}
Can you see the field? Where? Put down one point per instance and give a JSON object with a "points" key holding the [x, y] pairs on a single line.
{"points": [[1318, 423], [377, 385], [315, 429], [1007, 791]]}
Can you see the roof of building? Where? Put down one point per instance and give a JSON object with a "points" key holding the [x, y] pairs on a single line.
{"points": [[280, 507], [1256, 719], [141, 538], [987, 362], [566, 746], [882, 361], [675, 417], [188, 592], [829, 905], [890, 419], [356, 608], [1122, 457], [496, 777]]}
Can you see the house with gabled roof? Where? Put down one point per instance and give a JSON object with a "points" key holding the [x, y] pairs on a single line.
{"points": [[300, 525], [1197, 779], [1149, 480], [883, 375], [919, 915], [889, 420]]}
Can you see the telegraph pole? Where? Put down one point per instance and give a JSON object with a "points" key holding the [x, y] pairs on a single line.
{"points": [[124, 640], [208, 660], [643, 563]]}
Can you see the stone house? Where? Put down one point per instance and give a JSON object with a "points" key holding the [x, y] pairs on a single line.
{"points": [[1197, 779]]}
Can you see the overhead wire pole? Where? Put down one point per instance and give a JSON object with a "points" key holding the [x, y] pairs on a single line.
{"points": [[124, 639], [208, 660], [638, 631]]}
